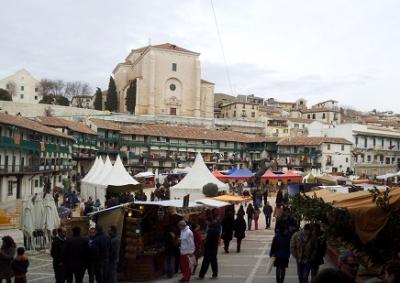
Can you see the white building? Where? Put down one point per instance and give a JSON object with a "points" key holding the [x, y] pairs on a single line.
{"points": [[167, 81], [30, 153], [376, 150], [329, 155], [22, 86], [83, 101], [330, 104]]}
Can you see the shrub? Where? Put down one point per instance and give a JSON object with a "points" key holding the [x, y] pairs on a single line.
{"points": [[210, 190]]}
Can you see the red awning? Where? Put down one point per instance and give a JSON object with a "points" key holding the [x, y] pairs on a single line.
{"points": [[218, 174], [269, 175], [291, 175]]}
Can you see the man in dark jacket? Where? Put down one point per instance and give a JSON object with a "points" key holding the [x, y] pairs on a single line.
{"points": [[211, 250], [57, 250], [92, 254], [267, 209], [227, 230], [75, 256], [102, 247], [114, 253], [240, 230]]}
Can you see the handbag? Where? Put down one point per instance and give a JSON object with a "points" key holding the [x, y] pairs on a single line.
{"points": [[270, 264]]}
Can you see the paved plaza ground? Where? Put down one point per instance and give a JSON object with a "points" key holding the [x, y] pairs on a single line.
{"points": [[249, 266]]}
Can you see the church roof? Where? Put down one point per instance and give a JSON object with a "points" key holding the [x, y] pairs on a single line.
{"points": [[168, 46]]}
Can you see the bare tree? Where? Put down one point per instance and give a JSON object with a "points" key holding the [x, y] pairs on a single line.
{"points": [[77, 90], [51, 87]]}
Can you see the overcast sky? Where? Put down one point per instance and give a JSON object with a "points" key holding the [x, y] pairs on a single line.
{"points": [[347, 50]]}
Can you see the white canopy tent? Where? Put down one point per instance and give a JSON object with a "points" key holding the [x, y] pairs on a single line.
{"points": [[144, 175], [98, 163], [195, 179], [93, 182], [116, 177]]}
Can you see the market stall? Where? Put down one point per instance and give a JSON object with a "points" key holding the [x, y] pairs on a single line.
{"points": [[239, 174], [218, 175]]}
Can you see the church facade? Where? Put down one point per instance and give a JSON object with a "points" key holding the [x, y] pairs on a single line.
{"points": [[166, 80]]}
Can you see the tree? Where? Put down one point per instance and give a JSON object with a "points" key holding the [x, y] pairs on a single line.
{"points": [[52, 87], [47, 99], [130, 99], [5, 95], [98, 100], [210, 190], [62, 100], [76, 89], [112, 98]]}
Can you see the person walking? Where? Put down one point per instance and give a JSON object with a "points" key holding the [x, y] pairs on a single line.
{"points": [[114, 253], [198, 244], [102, 247], [240, 230], [321, 250], [211, 250], [280, 250], [170, 244], [228, 223], [257, 213], [20, 266], [91, 254], [277, 213], [303, 247], [267, 209], [265, 195], [279, 197], [241, 210], [7, 253], [57, 251], [250, 215], [187, 249], [75, 256]]}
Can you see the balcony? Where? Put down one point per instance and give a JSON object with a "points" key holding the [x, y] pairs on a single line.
{"points": [[109, 138], [37, 146], [299, 153]]}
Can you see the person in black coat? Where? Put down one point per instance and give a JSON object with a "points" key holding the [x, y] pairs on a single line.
{"points": [[75, 256], [102, 248], [250, 215], [57, 250], [92, 254], [114, 253], [227, 230], [211, 250], [240, 230]]}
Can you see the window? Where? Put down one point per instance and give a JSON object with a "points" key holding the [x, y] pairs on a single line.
{"points": [[172, 87], [252, 106], [36, 97], [347, 160], [172, 111], [59, 178], [383, 142], [277, 131], [308, 116], [253, 114], [36, 89], [174, 67], [342, 147], [244, 106], [387, 160], [22, 87], [22, 96], [329, 146], [323, 116], [365, 142], [10, 188], [36, 183], [356, 140], [234, 113], [369, 158], [374, 141], [313, 116]]}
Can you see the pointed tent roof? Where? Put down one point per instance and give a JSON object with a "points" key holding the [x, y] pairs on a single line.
{"points": [[95, 173], [242, 173], [102, 174], [92, 170], [198, 176], [118, 176], [269, 175]]}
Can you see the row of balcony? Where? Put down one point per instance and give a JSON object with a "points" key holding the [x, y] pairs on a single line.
{"points": [[31, 169], [10, 143], [312, 153]]}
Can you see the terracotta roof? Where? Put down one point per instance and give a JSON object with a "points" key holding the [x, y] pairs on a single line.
{"points": [[317, 110], [168, 46], [312, 141], [63, 123], [104, 124], [185, 132], [31, 125]]}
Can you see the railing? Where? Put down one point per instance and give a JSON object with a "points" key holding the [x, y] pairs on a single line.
{"points": [[85, 142], [109, 138], [29, 145], [19, 169], [306, 153]]}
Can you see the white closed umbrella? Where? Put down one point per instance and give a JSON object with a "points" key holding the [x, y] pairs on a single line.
{"points": [[27, 221], [38, 213], [51, 218]]}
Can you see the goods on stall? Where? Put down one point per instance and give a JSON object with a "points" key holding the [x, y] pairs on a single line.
{"points": [[134, 243]]}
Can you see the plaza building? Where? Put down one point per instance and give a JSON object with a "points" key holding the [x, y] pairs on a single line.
{"points": [[22, 86], [376, 150], [30, 155], [324, 154], [166, 80]]}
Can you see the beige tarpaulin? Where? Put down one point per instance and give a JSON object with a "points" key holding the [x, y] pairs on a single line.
{"points": [[233, 198]]}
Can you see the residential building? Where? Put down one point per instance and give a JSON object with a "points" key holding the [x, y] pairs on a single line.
{"points": [[329, 104], [240, 111], [327, 115], [287, 106], [84, 148], [327, 155], [108, 137], [22, 86], [277, 128], [167, 81], [376, 150], [83, 101], [30, 155]]}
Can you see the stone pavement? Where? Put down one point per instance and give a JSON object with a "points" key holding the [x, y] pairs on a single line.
{"points": [[249, 266]]}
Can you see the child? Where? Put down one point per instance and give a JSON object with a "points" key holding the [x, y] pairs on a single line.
{"points": [[20, 266]]}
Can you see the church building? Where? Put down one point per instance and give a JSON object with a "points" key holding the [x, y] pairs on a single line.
{"points": [[166, 80]]}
